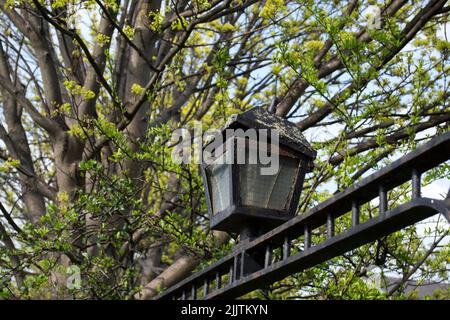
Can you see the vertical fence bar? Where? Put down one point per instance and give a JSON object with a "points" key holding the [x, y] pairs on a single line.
{"points": [[231, 276], [383, 199], [193, 292], [205, 287], [415, 184], [235, 267], [286, 247], [355, 213], [330, 225], [268, 256], [242, 265], [183, 295], [307, 236], [218, 280]]}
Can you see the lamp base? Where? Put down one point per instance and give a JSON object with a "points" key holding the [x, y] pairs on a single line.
{"points": [[254, 261], [248, 233]]}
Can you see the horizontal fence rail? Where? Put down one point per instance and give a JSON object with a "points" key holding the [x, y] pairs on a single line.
{"points": [[294, 246]]}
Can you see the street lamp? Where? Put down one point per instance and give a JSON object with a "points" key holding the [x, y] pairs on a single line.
{"points": [[245, 193]]}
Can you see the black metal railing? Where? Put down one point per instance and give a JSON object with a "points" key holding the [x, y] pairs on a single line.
{"points": [[295, 246]]}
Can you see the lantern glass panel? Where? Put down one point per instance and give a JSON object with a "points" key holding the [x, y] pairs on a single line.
{"points": [[268, 191], [219, 182]]}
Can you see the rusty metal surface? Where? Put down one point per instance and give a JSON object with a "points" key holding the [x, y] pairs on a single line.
{"points": [[227, 278]]}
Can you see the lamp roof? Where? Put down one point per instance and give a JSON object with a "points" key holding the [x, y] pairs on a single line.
{"points": [[289, 134]]}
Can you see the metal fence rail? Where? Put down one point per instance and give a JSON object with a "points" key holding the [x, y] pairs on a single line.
{"points": [[294, 246]]}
